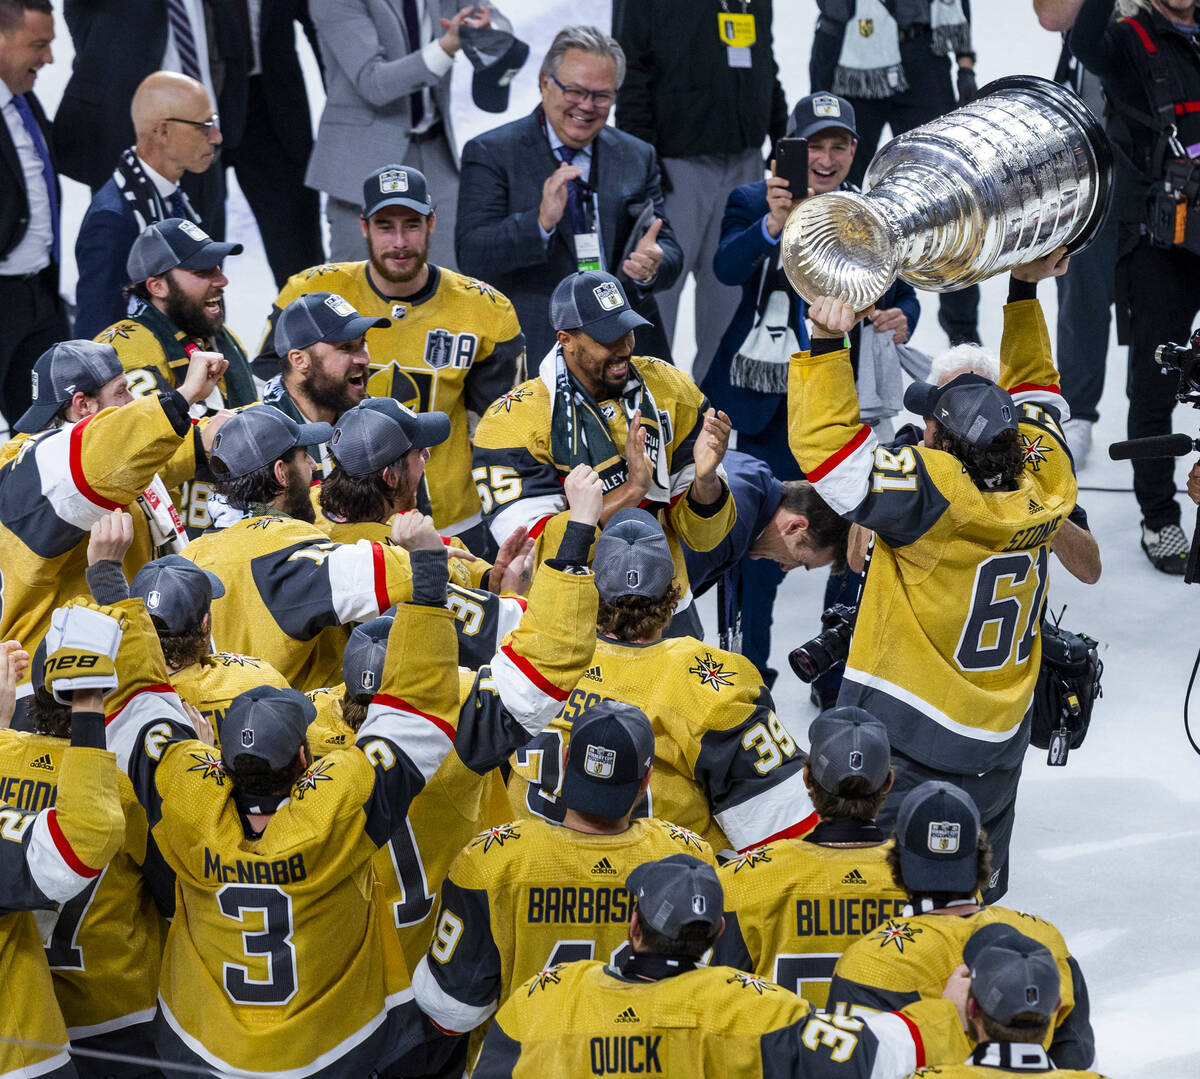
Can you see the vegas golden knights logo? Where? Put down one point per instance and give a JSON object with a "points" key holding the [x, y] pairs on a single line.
{"points": [[866, 27]]}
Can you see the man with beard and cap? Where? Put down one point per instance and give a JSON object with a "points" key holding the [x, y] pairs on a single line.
{"points": [[177, 307], [454, 343]]}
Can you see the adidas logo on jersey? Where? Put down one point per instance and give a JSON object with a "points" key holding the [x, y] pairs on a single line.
{"points": [[605, 868], [854, 877], [44, 762], [1034, 507], [594, 674], [627, 1016]]}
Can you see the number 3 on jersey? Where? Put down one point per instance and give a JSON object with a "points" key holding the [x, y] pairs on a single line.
{"points": [[1007, 600]]}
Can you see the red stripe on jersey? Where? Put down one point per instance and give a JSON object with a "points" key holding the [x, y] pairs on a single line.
{"points": [[1033, 387], [795, 831], [522, 602], [1140, 30], [382, 600], [64, 848], [403, 705], [160, 687], [534, 675], [915, 1031], [1184, 107], [538, 527], [75, 457], [830, 463]]}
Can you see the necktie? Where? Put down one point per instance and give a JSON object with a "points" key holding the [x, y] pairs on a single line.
{"points": [[178, 205], [39, 144], [574, 193], [185, 40], [412, 23]]}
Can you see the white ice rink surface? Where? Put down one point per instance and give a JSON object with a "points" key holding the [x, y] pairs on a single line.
{"points": [[1105, 848]]}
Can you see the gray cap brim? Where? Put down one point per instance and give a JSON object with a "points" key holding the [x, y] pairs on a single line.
{"points": [[433, 428], [35, 417], [919, 397], [210, 255], [313, 434], [422, 208], [615, 326], [823, 125]]}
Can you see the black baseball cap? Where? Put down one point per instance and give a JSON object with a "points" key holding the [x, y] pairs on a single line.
{"points": [[396, 185], [362, 661], [267, 723], [970, 406], [321, 316], [175, 242], [677, 891], [595, 303], [611, 750], [497, 55], [63, 370], [379, 431], [819, 112], [633, 557], [176, 590], [1012, 974], [937, 831], [847, 742], [258, 436]]}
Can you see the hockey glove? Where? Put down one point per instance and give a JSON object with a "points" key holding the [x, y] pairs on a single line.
{"points": [[81, 650]]}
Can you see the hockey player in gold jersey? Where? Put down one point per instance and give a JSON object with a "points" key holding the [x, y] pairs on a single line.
{"points": [[793, 906], [454, 343], [725, 766], [655, 1010], [526, 895], [942, 860]]}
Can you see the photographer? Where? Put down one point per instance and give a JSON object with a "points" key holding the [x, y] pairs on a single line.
{"points": [[946, 649], [1149, 65]]}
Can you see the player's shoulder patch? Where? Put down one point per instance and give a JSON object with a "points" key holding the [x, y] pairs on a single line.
{"points": [[312, 779], [234, 659], [713, 671], [323, 273], [897, 934], [751, 859], [687, 839], [754, 983], [497, 837], [208, 764], [472, 286], [125, 330], [545, 979], [513, 398]]}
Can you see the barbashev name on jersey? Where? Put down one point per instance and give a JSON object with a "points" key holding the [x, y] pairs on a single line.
{"points": [[578, 905], [844, 917], [247, 871]]}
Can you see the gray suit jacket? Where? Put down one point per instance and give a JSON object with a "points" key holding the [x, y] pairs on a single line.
{"points": [[370, 71]]}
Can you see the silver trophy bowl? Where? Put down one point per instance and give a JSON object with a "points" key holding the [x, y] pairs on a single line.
{"points": [[1021, 170]]}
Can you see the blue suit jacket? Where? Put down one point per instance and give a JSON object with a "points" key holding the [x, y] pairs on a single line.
{"points": [[101, 249], [737, 262]]}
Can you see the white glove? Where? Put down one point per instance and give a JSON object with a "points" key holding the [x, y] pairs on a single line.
{"points": [[81, 651]]}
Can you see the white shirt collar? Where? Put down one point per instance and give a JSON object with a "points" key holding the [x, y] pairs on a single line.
{"points": [[556, 142], [161, 184], [6, 95]]}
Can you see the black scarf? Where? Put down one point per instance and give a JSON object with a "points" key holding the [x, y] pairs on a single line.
{"points": [[139, 191]]}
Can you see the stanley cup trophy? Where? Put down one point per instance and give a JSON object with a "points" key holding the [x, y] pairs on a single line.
{"points": [[1021, 170]]}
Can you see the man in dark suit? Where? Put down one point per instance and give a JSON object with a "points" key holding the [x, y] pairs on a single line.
{"points": [[559, 191], [34, 316]]}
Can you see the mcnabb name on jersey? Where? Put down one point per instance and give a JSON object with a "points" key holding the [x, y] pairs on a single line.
{"points": [[578, 905], [245, 871]]}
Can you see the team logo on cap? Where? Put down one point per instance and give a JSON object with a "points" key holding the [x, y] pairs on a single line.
{"points": [[393, 181], [599, 762], [633, 578], [856, 760], [699, 904], [339, 306], [1032, 996], [944, 836], [247, 737], [34, 380], [608, 295], [153, 599], [367, 681], [827, 104], [194, 231]]}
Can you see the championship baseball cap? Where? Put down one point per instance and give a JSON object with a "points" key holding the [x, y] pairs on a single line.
{"points": [[818, 112], [362, 661], [63, 370], [379, 431], [847, 742], [1012, 974], [969, 405], [937, 831], [321, 316], [258, 436], [633, 557], [611, 750], [396, 185], [594, 302], [175, 242], [497, 55], [176, 590], [676, 891], [267, 723]]}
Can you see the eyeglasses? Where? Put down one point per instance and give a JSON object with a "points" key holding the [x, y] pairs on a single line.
{"points": [[576, 95], [205, 125]]}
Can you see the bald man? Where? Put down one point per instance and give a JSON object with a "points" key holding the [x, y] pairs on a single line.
{"points": [[177, 132]]}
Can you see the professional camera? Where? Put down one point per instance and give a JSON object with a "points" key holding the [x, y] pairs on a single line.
{"points": [[1186, 360], [830, 646]]}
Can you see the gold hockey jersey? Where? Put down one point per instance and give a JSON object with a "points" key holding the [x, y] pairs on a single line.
{"points": [[946, 649], [526, 895], [1002, 1060], [211, 683], [725, 766], [794, 906], [454, 346], [462, 573]]}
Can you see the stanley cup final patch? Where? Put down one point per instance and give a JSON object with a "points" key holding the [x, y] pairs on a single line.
{"points": [[608, 295], [944, 836], [339, 306], [826, 105], [392, 182], [194, 231], [599, 762]]}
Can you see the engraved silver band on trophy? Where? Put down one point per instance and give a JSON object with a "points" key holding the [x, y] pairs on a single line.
{"points": [[1022, 169]]}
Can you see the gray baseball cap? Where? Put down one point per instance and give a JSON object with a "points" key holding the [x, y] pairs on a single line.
{"points": [[845, 743], [819, 112], [379, 431], [362, 661], [1012, 974], [63, 370], [633, 557], [267, 723], [611, 750], [595, 303], [969, 405], [676, 891], [321, 316], [176, 590], [937, 831], [396, 185], [259, 436], [497, 55], [175, 242]]}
